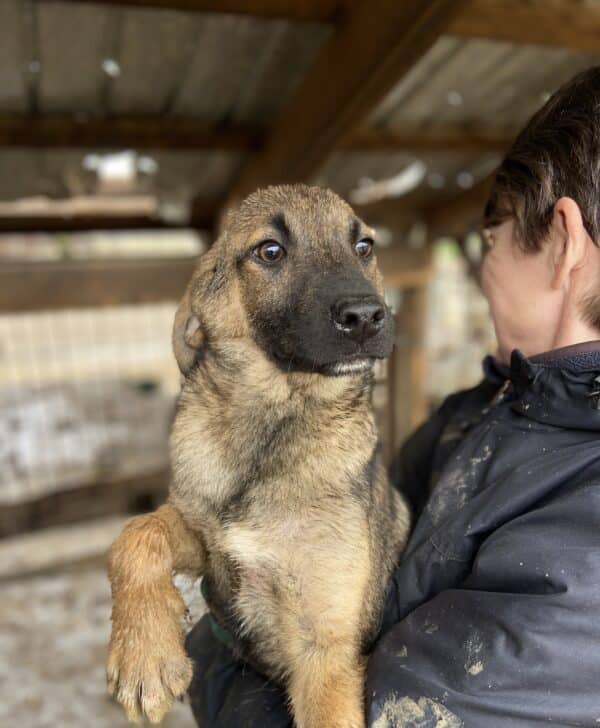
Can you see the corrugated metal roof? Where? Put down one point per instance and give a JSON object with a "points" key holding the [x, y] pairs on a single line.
{"points": [[473, 84], [239, 70], [213, 67], [478, 82]]}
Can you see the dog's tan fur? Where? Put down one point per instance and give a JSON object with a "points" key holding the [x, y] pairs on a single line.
{"points": [[279, 497]]}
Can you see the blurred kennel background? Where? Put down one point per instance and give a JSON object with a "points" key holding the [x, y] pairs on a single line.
{"points": [[127, 127]]}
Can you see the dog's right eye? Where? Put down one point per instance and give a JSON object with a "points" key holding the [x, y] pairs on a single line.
{"points": [[270, 251]]}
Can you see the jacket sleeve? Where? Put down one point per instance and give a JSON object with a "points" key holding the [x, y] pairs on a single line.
{"points": [[517, 644], [227, 693]]}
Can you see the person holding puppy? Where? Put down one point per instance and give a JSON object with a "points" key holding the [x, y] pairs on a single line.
{"points": [[492, 616]]}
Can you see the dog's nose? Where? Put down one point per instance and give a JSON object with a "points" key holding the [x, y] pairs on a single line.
{"points": [[358, 319]]}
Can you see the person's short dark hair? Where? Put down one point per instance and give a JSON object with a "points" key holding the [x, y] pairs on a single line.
{"points": [[556, 155]]}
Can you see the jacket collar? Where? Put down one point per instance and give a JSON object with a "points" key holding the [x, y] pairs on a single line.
{"points": [[495, 371], [559, 387]]}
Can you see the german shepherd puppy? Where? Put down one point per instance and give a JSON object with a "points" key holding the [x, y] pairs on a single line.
{"points": [[279, 496]]}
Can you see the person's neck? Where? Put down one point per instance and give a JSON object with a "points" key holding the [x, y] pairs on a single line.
{"points": [[573, 330], [570, 333]]}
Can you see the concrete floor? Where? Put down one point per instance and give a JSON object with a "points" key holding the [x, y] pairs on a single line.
{"points": [[53, 635]]}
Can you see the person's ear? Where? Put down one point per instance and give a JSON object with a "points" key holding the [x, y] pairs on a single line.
{"points": [[187, 334], [570, 240]]}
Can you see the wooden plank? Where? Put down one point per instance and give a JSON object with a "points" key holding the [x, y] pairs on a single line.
{"points": [[376, 45], [558, 23], [125, 132], [42, 286], [37, 286], [56, 548], [296, 10], [99, 500], [106, 214]]}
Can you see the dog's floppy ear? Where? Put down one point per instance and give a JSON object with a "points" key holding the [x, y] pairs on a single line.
{"points": [[187, 334]]}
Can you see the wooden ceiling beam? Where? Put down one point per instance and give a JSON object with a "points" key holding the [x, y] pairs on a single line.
{"points": [[79, 223], [317, 11], [124, 132], [459, 140], [366, 57], [189, 134], [571, 24]]}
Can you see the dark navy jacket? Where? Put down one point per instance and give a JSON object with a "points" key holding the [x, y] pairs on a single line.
{"points": [[493, 616]]}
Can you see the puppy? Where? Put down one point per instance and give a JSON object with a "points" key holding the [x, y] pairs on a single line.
{"points": [[279, 497]]}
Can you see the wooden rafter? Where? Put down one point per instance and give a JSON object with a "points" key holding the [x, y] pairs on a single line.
{"points": [[460, 140], [66, 132], [80, 223], [569, 24], [124, 132], [367, 56]]}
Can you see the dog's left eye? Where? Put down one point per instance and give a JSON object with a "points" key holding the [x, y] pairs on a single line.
{"points": [[269, 252], [363, 248]]}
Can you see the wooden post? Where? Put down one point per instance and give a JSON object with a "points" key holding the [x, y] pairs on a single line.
{"points": [[407, 369]]}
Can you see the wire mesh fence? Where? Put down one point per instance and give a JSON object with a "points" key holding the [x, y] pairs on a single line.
{"points": [[85, 395]]}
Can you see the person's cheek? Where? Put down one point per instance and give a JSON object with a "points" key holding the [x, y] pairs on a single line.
{"points": [[493, 290], [488, 279]]}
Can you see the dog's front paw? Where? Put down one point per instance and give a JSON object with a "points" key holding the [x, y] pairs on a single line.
{"points": [[147, 666]]}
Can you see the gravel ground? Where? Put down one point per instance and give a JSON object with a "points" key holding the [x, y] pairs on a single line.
{"points": [[53, 635]]}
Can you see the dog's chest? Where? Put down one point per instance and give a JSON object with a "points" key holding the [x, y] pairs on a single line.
{"points": [[299, 575]]}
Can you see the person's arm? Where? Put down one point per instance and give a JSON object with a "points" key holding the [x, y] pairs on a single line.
{"points": [[226, 692], [517, 644]]}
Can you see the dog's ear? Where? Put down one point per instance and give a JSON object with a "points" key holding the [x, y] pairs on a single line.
{"points": [[187, 334]]}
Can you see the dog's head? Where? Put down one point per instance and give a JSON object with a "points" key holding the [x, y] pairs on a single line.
{"points": [[293, 271]]}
